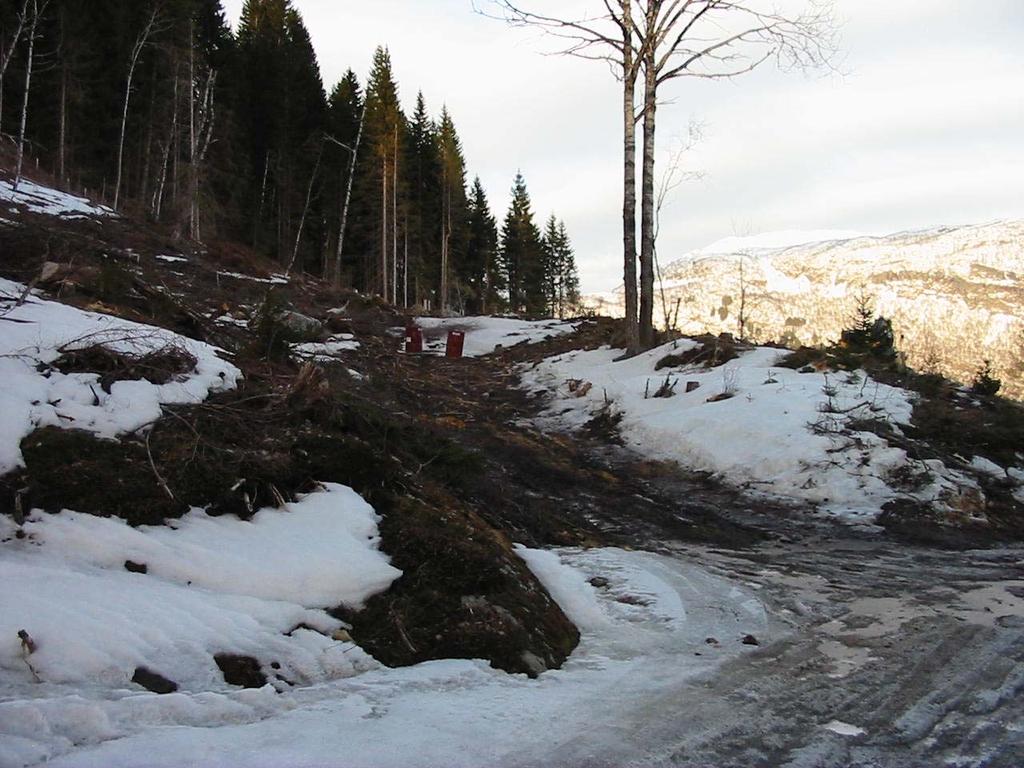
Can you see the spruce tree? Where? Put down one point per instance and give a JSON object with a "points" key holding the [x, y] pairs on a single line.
{"points": [[483, 278], [522, 256], [423, 175], [454, 213], [377, 215]]}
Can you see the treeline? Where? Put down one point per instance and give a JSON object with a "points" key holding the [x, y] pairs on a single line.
{"points": [[158, 108]]}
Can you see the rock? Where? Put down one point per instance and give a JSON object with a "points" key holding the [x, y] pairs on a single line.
{"points": [[300, 327], [135, 567], [49, 271], [341, 636], [153, 682], [600, 582], [750, 640], [711, 641], [692, 386], [534, 665], [238, 670]]}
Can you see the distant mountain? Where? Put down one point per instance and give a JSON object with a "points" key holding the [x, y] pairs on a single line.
{"points": [[955, 294]]}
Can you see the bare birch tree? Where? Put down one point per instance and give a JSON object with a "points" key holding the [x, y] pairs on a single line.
{"points": [[347, 200], [10, 46], [141, 42], [33, 12], [668, 39], [608, 35], [717, 40]]}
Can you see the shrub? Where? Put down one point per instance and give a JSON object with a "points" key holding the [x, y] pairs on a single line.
{"points": [[985, 383]]}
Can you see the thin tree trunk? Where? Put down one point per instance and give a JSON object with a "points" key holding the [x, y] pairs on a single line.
{"points": [[263, 200], [394, 224], [647, 223], [62, 140], [140, 43], [193, 179], [8, 52], [629, 181], [384, 227], [348, 199], [305, 211], [36, 11]]}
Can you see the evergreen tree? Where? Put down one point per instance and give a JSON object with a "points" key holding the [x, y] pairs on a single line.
{"points": [[423, 174], [484, 280], [454, 213], [562, 282], [522, 257], [282, 114], [378, 186]]}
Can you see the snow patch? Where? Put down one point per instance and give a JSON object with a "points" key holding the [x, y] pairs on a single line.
{"points": [[32, 395], [485, 334], [272, 280], [766, 429], [328, 351], [844, 729], [50, 202]]}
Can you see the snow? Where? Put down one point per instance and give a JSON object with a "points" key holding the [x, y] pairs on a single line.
{"points": [[643, 637], [328, 351], [171, 259], [783, 433], [272, 280], [323, 548], [33, 396], [50, 202], [844, 729], [485, 334], [774, 241], [232, 321]]}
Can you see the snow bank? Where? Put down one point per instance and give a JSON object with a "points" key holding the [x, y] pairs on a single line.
{"points": [[484, 334], [324, 549], [50, 202], [212, 585], [32, 395], [792, 435], [646, 639]]}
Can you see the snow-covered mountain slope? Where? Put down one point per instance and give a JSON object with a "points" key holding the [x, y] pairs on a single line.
{"points": [[955, 294]]}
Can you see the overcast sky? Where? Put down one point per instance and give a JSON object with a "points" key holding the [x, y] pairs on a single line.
{"points": [[925, 127]]}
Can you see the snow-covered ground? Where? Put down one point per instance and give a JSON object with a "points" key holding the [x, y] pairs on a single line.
{"points": [[485, 334], [50, 202], [33, 395], [329, 351], [656, 624], [778, 432]]}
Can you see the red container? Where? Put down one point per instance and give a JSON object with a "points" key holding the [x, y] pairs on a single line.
{"points": [[456, 343], [413, 340]]}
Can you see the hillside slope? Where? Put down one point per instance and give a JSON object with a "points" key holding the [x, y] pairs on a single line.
{"points": [[955, 294]]}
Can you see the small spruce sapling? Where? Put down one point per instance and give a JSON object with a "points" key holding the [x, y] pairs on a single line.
{"points": [[985, 382]]}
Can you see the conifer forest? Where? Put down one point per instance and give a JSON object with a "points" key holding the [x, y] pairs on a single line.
{"points": [[160, 109]]}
